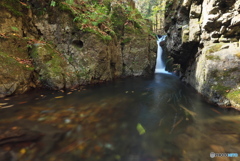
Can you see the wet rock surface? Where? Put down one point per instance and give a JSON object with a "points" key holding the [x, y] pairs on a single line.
{"points": [[204, 40]]}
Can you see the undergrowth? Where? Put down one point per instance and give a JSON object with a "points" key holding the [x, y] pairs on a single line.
{"points": [[89, 15]]}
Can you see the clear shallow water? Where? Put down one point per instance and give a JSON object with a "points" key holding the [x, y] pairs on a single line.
{"points": [[133, 119]]}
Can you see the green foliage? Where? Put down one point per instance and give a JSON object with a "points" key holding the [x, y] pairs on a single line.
{"points": [[92, 17], [14, 28], [13, 6], [69, 1], [53, 3], [134, 16]]}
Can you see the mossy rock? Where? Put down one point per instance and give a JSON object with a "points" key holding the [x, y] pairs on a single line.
{"points": [[49, 65], [213, 48], [14, 76], [221, 89], [234, 96], [212, 57], [14, 46]]}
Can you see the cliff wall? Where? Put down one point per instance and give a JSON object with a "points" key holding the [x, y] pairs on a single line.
{"points": [[203, 38], [60, 45]]}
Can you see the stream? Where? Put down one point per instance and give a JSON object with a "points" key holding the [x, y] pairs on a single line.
{"points": [[156, 118]]}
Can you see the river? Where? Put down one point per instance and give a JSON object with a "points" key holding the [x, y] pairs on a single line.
{"points": [[156, 118]]}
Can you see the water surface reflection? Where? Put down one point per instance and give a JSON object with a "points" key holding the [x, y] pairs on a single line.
{"points": [[135, 119]]}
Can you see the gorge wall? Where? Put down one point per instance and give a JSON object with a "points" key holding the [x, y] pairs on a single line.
{"points": [[204, 39], [51, 44]]}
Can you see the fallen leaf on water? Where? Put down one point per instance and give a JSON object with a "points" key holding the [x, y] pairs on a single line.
{"points": [[140, 129], [215, 111], [7, 106], [59, 97], [22, 102], [14, 127], [23, 151], [2, 104], [19, 117], [145, 93], [41, 119], [69, 93]]}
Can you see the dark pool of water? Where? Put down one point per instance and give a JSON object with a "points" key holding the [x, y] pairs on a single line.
{"points": [[133, 119]]}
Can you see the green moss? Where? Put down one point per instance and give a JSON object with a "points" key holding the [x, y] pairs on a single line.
{"points": [[55, 61], [217, 74], [49, 58], [214, 48], [235, 96], [221, 89], [8, 61], [212, 57], [126, 40], [185, 34]]}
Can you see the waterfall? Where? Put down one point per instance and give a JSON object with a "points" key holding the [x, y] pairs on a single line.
{"points": [[160, 66]]}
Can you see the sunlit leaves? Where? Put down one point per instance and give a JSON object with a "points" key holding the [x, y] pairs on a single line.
{"points": [[53, 3]]}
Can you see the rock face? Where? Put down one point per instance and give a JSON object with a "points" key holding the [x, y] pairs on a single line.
{"points": [[203, 37], [46, 48]]}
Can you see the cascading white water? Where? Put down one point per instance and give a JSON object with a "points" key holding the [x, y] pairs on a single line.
{"points": [[160, 66]]}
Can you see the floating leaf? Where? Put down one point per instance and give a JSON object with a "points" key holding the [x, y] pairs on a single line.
{"points": [[59, 97], [7, 106], [23, 151], [140, 129], [22, 102], [2, 104]]}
